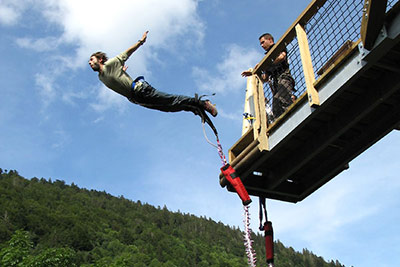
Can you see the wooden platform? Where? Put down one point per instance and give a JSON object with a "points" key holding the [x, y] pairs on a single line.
{"points": [[359, 104]]}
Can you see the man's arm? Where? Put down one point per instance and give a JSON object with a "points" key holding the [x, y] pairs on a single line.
{"points": [[282, 56], [134, 47], [264, 77], [248, 72]]}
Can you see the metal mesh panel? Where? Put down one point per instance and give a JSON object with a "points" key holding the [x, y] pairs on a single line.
{"points": [[391, 3], [296, 69], [336, 22]]}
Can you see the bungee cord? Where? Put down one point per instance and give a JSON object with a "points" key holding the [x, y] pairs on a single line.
{"points": [[235, 181]]}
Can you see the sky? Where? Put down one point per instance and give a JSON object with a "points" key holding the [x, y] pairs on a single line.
{"points": [[58, 121]]}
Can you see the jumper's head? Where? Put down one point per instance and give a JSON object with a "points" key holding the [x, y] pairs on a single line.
{"points": [[97, 59]]}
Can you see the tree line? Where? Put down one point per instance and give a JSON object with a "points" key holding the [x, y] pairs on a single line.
{"points": [[50, 223]]}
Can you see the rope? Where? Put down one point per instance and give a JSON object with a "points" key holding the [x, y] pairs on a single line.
{"points": [[218, 146], [205, 135], [248, 242], [221, 153]]}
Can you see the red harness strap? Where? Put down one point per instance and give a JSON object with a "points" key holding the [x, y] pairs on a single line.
{"points": [[235, 181], [268, 233], [227, 169], [269, 242]]}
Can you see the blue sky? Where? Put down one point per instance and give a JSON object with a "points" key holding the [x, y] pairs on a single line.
{"points": [[58, 121]]}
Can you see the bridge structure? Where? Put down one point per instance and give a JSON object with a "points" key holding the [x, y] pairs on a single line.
{"points": [[345, 58]]}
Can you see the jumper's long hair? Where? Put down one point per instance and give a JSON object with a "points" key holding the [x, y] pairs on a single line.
{"points": [[100, 56]]}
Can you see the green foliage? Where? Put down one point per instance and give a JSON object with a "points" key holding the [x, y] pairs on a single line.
{"points": [[61, 257], [64, 225], [19, 252], [16, 250]]}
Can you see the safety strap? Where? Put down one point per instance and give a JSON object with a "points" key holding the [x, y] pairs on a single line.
{"points": [[234, 180], [268, 233], [198, 98], [138, 78], [205, 119], [262, 212], [227, 170]]}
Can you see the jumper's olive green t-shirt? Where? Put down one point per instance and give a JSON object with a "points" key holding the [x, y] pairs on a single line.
{"points": [[114, 77]]}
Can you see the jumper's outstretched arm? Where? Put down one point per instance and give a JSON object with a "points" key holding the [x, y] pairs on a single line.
{"points": [[134, 47]]}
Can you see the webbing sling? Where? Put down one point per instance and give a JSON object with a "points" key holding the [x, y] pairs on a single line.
{"points": [[268, 233]]}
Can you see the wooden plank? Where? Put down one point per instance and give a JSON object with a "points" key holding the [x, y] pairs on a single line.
{"points": [[249, 102], [336, 63], [313, 97], [289, 35], [342, 50], [260, 127], [241, 144], [262, 112], [257, 115], [278, 121], [372, 21]]}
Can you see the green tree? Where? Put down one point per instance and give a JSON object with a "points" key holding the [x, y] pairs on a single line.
{"points": [[16, 250], [60, 257], [70, 226], [19, 252]]}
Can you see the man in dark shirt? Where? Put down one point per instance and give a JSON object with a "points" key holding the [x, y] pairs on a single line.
{"points": [[282, 82]]}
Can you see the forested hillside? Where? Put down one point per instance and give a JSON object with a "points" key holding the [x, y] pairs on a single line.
{"points": [[49, 223]]}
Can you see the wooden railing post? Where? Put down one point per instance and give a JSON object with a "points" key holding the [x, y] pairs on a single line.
{"points": [[249, 103], [309, 76], [260, 123]]}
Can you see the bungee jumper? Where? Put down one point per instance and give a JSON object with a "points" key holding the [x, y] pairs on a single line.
{"points": [[112, 72]]}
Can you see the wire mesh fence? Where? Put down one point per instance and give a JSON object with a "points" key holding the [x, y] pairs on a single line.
{"points": [[336, 24], [391, 4]]}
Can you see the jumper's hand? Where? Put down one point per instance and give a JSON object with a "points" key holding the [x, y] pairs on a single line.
{"points": [[144, 37], [125, 67]]}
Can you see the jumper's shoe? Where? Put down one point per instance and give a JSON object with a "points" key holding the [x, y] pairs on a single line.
{"points": [[210, 108]]}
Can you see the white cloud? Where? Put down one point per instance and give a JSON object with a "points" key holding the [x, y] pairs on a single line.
{"points": [[47, 81], [39, 45], [231, 115], [110, 26], [46, 88], [8, 15], [113, 26], [227, 77], [70, 97], [61, 138], [107, 99], [11, 10], [99, 119]]}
